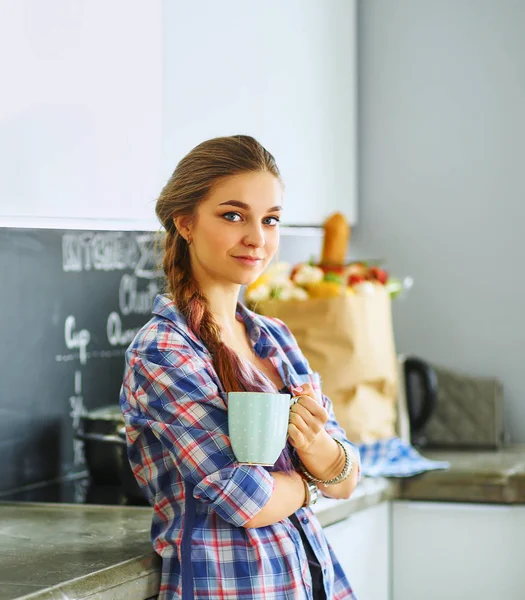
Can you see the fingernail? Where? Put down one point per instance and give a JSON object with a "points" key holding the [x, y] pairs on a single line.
{"points": [[298, 389]]}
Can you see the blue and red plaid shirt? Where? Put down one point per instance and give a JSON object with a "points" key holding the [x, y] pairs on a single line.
{"points": [[177, 430]]}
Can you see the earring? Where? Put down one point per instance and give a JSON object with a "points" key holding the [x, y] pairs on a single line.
{"points": [[188, 241]]}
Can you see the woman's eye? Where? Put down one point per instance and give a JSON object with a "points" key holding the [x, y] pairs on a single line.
{"points": [[271, 221], [232, 216]]}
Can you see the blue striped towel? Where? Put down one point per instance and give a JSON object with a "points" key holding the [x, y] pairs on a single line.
{"points": [[393, 457]]}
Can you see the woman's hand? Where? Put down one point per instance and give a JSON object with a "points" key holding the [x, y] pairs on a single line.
{"points": [[307, 419], [318, 452]]}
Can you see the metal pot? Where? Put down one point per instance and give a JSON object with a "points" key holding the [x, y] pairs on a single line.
{"points": [[129, 483], [104, 436]]}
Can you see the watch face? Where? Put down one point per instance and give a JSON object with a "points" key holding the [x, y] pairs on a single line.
{"points": [[314, 493]]}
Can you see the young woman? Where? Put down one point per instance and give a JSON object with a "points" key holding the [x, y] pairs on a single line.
{"points": [[224, 530]]}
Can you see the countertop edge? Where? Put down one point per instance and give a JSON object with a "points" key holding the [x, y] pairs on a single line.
{"points": [[369, 493], [140, 575]]}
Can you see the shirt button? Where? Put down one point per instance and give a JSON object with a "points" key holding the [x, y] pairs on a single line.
{"points": [[305, 520], [324, 571]]}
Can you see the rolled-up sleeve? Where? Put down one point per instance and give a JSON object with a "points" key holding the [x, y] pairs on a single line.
{"points": [[171, 394], [237, 493]]}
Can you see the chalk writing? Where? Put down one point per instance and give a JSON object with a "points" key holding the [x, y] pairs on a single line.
{"points": [[116, 335], [133, 301], [147, 265], [76, 404], [101, 251], [76, 340], [89, 355], [110, 251]]}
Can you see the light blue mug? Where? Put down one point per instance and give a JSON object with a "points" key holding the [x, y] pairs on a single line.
{"points": [[258, 426]]}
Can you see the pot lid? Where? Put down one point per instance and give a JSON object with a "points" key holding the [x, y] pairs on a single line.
{"points": [[110, 412]]}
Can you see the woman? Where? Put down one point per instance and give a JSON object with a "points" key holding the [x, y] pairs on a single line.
{"points": [[224, 530]]}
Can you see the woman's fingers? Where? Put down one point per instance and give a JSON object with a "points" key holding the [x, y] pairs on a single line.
{"points": [[313, 421], [299, 422], [307, 418], [304, 390], [297, 439], [306, 403]]}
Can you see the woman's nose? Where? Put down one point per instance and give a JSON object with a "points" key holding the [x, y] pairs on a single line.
{"points": [[254, 237]]}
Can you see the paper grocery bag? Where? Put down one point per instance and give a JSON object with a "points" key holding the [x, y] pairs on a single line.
{"points": [[349, 341]]}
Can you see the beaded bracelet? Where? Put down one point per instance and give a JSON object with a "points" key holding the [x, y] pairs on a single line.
{"points": [[344, 474]]}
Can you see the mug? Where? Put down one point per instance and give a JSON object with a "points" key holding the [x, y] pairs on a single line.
{"points": [[258, 426]]}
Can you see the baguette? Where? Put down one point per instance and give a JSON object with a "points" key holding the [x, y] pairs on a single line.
{"points": [[336, 238]]}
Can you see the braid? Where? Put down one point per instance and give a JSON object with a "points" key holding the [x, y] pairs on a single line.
{"points": [[193, 304]]}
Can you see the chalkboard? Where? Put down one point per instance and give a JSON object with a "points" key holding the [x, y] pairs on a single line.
{"points": [[70, 304]]}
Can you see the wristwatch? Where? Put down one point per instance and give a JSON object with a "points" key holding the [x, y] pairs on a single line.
{"points": [[312, 493]]}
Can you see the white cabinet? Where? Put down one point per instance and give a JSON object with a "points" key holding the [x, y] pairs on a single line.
{"points": [[93, 133], [458, 551], [81, 119], [362, 545], [283, 72]]}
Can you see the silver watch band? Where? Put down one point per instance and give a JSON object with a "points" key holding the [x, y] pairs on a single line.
{"points": [[312, 493]]}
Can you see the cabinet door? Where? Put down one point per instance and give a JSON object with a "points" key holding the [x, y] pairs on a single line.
{"points": [[458, 551], [362, 545], [82, 127], [283, 72]]}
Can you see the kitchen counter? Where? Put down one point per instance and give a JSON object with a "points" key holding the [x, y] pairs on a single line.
{"points": [[75, 551], [66, 551], [474, 476], [368, 493]]}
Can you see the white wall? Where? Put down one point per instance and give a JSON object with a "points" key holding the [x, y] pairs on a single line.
{"points": [[442, 196], [80, 111]]}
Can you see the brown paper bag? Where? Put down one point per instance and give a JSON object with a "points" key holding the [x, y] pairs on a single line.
{"points": [[349, 341]]}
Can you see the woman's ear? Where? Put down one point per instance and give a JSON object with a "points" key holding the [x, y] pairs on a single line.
{"points": [[183, 225]]}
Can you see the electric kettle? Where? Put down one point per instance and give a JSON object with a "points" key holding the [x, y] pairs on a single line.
{"points": [[418, 398]]}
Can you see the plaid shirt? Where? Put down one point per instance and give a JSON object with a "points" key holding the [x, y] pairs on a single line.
{"points": [[178, 446]]}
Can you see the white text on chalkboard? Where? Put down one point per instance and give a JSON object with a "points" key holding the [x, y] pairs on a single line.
{"points": [[133, 301], [110, 251], [116, 335], [102, 251], [77, 340]]}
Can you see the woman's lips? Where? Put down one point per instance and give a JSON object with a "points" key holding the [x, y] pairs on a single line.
{"points": [[249, 261]]}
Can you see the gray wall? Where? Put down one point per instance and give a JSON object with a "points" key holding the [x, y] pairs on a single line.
{"points": [[442, 178]]}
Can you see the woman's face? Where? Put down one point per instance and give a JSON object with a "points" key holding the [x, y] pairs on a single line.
{"points": [[236, 230]]}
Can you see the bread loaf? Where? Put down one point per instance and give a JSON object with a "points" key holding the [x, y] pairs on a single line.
{"points": [[336, 238]]}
